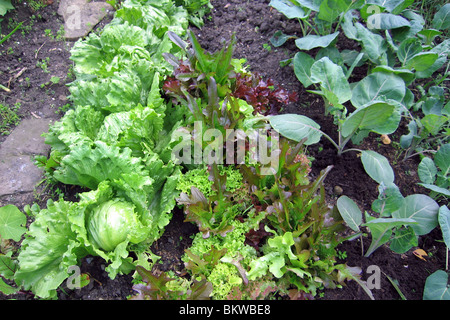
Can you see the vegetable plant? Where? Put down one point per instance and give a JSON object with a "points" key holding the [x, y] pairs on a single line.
{"points": [[285, 205], [5, 6], [434, 174], [116, 144], [12, 227], [436, 285], [400, 219]]}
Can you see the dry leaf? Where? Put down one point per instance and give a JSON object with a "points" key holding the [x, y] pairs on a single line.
{"points": [[385, 139], [419, 253]]}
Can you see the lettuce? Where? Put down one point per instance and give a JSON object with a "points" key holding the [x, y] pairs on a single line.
{"points": [[66, 232], [113, 222], [116, 142]]}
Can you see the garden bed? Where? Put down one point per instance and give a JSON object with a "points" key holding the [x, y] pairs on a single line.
{"points": [[253, 23]]}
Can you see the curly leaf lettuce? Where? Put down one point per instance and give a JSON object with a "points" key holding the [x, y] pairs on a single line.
{"points": [[49, 248], [63, 233]]}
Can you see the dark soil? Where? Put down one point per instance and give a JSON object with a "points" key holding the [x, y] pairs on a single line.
{"points": [[30, 58], [253, 22]]}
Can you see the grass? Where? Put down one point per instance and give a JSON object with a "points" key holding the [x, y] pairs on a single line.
{"points": [[428, 9], [8, 118]]}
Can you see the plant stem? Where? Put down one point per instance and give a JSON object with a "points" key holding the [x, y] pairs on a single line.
{"points": [[446, 259], [11, 33], [352, 149]]}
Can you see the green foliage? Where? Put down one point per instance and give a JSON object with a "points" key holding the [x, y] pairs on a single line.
{"points": [[166, 287], [229, 255], [9, 117], [283, 205], [401, 221], [199, 178], [5, 6], [398, 50], [12, 222], [436, 286], [434, 174], [116, 142]]}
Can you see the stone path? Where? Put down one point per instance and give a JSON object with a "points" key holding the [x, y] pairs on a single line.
{"points": [[19, 175], [81, 16]]}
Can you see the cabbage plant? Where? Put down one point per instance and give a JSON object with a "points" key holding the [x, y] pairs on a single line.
{"points": [[113, 222]]}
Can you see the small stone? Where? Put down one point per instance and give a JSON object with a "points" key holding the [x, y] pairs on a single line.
{"points": [[241, 16], [338, 190]]}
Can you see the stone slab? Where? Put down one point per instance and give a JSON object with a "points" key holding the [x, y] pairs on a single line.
{"points": [[27, 138], [18, 173], [81, 16]]}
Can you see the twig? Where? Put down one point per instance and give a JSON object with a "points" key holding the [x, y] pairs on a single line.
{"points": [[37, 51], [4, 88], [16, 76]]}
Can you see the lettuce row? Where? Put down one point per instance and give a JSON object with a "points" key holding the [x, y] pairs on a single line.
{"points": [[116, 143]]}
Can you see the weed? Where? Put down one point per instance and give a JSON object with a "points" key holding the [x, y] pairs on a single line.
{"points": [[267, 47], [8, 118], [43, 64]]}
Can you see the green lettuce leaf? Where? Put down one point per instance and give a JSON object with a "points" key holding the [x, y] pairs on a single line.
{"points": [[49, 249], [88, 164]]}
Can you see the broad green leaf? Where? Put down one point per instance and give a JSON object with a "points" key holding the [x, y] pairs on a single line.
{"points": [[348, 27], [296, 127], [407, 49], [378, 86], [386, 21], [443, 47], [422, 61], [377, 167], [437, 287], [50, 247], [8, 266], [442, 159], [287, 8], [302, 68], [427, 170], [313, 41], [444, 223], [442, 18], [406, 140], [313, 5], [279, 38], [381, 230], [331, 53], [5, 5], [407, 75], [435, 188], [89, 164], [442, 58], [429, 34], [399, 5], [417, 24], [421, 208], [389, 200], [332, 78], [393, 6], [403, 240], [4, 287], [350, 212], [12, 222], [373, 117], [374, 44], [330, 10], [433, 123]]}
